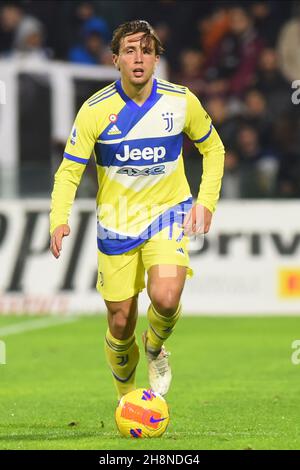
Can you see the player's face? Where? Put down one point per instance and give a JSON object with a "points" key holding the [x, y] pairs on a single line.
{"points": [[137, 59]]}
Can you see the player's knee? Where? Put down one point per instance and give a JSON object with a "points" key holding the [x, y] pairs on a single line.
{"points": [[120, 326], [166, 301], [122, 321]]}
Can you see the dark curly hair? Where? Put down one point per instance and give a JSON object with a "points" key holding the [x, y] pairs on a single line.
{"points": [[132, 27]]}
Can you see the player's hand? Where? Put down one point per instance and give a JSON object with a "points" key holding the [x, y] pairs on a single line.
{"points": [[56, 239], [197, 221]]}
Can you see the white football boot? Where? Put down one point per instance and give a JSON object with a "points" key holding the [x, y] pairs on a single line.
{"points": [[159, 370]]}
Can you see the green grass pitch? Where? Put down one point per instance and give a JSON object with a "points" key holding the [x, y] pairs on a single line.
{"points": [[234, 386]]}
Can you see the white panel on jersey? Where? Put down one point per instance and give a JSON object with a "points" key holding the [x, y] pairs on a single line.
{"points": [[155, 122], [140, 181]]}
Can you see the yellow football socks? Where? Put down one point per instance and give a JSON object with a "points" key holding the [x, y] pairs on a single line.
{"points": [[122, 357], [160, 328]]}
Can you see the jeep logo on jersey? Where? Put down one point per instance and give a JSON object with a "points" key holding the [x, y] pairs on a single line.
{"points": [[148, 153], [154, 170]]}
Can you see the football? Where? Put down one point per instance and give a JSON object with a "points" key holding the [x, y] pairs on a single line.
{"points": [[142, 413]]}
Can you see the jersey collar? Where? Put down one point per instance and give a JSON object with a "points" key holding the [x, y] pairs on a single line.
{"points": [[147, 104]]}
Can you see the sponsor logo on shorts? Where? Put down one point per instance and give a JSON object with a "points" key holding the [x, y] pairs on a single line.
{"points": [[180, 251], [101, 279]]}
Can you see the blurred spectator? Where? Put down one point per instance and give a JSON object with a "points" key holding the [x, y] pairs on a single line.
{"points": [[234, 60], [212, 29], [289, 176], [94, 48], [286, 135], [267, 20], [85, 13], [29, 42], [258, 165], [10, 18], [191, 71], [272, 84], [257, 115], [231, 184], [225, 123], [287, 140], [26, 34], [217, 87], [164, 33]]}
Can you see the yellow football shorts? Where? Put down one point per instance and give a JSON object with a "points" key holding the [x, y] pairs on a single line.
{"points": [[123, 276]]}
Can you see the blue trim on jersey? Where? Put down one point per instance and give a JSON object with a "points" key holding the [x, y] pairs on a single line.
{"points": [[102, 92], [150, 101], [84, 161], [170, 85], [104, 98], [127, 119], [101, 95], [160, 87], [168, 147], [204, 137], [113, 243], [130, 114]]}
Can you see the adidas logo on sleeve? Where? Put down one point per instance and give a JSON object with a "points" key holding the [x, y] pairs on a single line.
{"points": [[114, 130]]}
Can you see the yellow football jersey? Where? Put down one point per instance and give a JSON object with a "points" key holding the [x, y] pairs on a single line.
{"points": [[138, 153]]}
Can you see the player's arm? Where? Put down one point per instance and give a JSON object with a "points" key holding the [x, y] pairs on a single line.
{"points": [[68, 176], [199, 128]]}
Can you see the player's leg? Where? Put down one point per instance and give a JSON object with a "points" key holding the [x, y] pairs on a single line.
{"points": [[120, 279], [165, 257], [121, 349], [165, 285]]}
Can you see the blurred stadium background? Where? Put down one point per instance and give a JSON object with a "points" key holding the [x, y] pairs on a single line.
{"points": [[242, 60]]}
